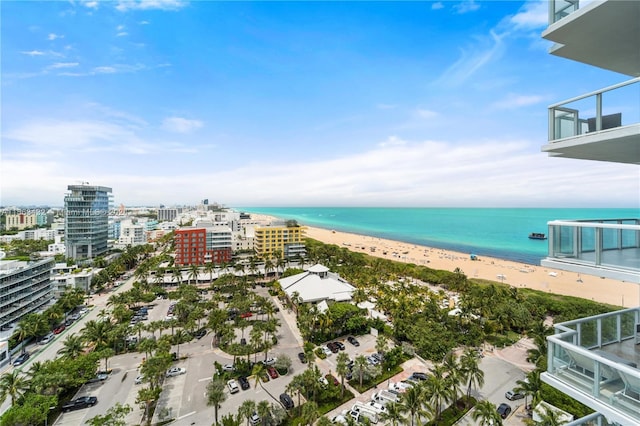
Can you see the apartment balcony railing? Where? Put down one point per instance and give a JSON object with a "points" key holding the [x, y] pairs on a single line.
{"points": [[606, 244], [558, 9], [587, 360], [588, 113]]}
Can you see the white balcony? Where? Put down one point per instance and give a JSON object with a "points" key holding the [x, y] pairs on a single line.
{"points": [[606, 248], [603, 125], [602, 33], [594, 360]]}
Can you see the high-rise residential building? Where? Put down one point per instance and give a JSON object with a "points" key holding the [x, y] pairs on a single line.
{"points": [[25, 287], [86, 214], [283, 238], [595, 359]]}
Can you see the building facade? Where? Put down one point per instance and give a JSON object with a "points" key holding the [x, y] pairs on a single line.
{"points": [[285, 239], [197, 246], [86, 216], [25, 287], [595, 359]]}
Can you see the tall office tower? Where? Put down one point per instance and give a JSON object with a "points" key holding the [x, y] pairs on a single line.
{"points": [[86, 214], [595, 359]]}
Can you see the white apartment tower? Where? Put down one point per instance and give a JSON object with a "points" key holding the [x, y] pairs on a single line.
{"points": [[595, 360], [86, 215]]}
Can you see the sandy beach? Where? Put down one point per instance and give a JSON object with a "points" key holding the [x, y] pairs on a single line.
{"points": [[618, 293]]}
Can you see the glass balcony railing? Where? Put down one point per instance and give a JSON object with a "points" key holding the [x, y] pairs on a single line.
{"points": [[558, 9], [611, 243], [595, 358], [611, 107]]}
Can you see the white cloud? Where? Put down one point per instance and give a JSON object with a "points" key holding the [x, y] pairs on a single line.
{"points": [[425, 113], [180, 125], [144, 22], [105, 70], [120, 28], [513, 100], [33, 53], [532, 15], [63, 65], [396, 172], [53, 36], [122, 34], [124, 6], [91, 4], [471, 60], [437, 5], [466, 6]]}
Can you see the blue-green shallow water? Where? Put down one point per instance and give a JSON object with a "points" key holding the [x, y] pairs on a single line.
{"points": [[496, 232]]}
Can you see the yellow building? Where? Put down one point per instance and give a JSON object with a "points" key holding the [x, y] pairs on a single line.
{"points": [[286, 239]]}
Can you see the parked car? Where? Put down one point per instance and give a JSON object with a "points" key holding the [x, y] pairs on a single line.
{"points": [[286, 401], [175, 371], [233, 386], [324, 381], [272, 372], [302, 357], [244, 383], [333, 347], [246, 315], [21, 359], [201, 333], [353, 341], [419, 376], [332, 379], [78, 403], [340, 346], [512, 395], [255, 419], [46, 339], [504, 410], [139, 380], [327, 351], [59, 329], [270, 361], [100, 377], [228, 367]]}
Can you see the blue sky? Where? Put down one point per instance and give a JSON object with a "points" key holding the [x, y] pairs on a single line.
{"points": [[292, 104]]}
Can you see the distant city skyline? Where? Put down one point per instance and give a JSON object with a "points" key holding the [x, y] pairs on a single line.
{"points": [[435, 103]]}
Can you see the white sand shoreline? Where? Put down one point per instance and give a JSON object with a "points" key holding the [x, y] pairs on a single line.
{"points": [[516, 274]]}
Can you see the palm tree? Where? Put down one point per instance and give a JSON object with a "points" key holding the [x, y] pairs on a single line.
{"points": [[193, 273], [551, 417], [471, 371], [258, 371], [27, 327], [439, 388], [360, 365], [216, 395], [310, 412], [72, 347], [246, 409], [531, 386], [180, 336], [97, 333], [485, 413], [412, 402], [210, 268], [393, 414], [342, 369], [14, 385], [264, 412]]}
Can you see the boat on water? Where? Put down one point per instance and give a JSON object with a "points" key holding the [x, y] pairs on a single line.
{"points": [[537, 236]]}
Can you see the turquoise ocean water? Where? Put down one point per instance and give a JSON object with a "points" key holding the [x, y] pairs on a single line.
{"points": [[495, 232]]}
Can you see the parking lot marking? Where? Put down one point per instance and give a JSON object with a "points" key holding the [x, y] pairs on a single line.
{"points": [[187, 415], [205, 379]]}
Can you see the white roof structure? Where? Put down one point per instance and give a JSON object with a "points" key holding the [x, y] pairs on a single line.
{"points": [[317, 284]]}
